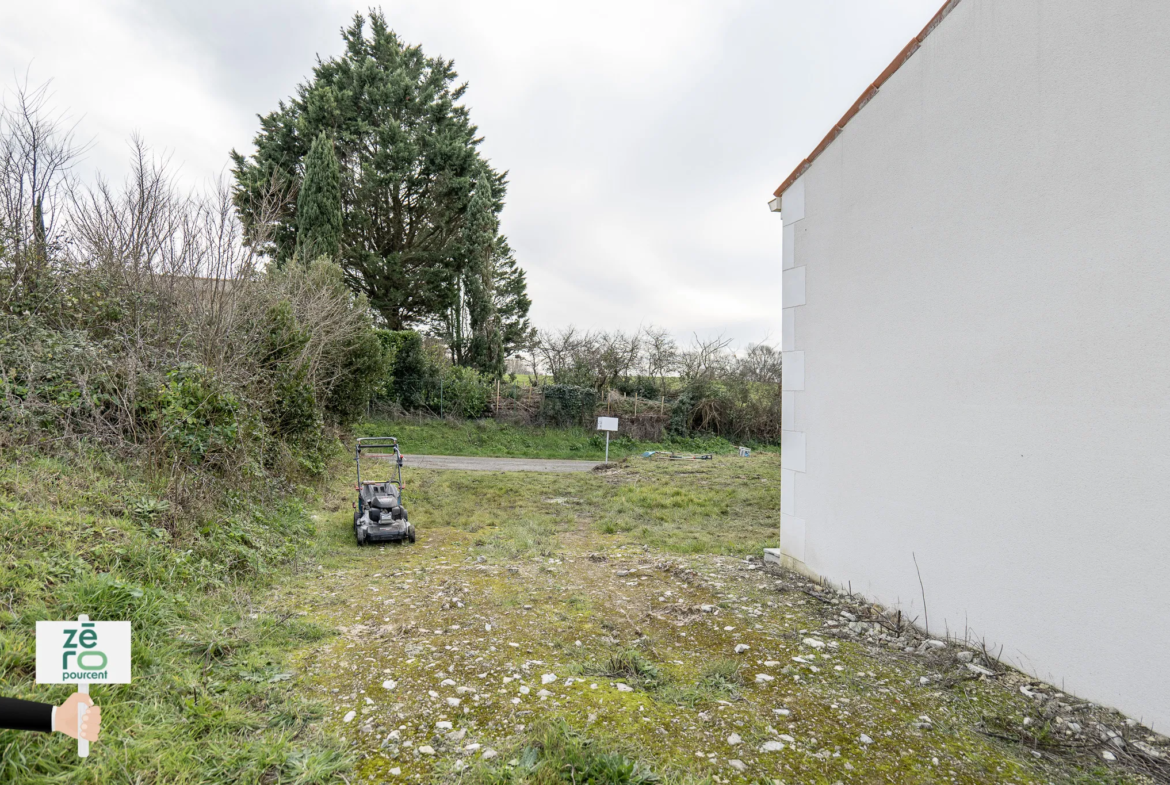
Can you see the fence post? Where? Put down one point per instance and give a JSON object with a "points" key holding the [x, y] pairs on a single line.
{"points": [[440, 397]]}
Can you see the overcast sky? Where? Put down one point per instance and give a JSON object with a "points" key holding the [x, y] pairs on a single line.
{"points": [[643, 137]]}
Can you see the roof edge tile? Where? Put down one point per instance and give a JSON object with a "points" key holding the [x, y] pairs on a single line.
{"points": [[868, 94]]}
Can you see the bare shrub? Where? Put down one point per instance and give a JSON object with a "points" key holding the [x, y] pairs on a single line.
{"points": [[156, 300], [37, 153]]}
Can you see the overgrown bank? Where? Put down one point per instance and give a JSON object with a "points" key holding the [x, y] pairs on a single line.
{"points": [[211, 701], [166, 406]]}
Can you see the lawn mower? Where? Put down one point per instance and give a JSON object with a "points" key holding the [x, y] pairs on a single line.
{"points": [[378, 514]]}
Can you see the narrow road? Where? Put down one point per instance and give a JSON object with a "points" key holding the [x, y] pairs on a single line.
{"points": [[474, 464]]}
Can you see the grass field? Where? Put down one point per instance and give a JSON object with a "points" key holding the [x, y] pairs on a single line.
{"points": [[211, 699], [727, 505], [501, 440], [565, 629], [550, 629]]}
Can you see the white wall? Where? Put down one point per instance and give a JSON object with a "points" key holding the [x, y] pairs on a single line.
{"points": [[978, 294]]}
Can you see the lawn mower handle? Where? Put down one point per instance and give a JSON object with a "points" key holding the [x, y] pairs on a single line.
{"points": [[372, 442]]}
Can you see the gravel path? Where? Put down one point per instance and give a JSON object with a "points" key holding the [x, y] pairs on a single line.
{"points": [[466, 463]]}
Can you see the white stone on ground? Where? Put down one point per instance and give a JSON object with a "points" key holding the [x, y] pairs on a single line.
{"points": [[740, 648], [349, 716], [734, 739]]}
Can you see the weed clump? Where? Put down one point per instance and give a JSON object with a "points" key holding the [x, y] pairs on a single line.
{"points": [[554, 753], [632, 667], [723, 675]]}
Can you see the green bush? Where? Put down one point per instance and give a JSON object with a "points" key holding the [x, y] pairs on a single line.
{"points": [[196, 413], [409, 367], [742, 411], [465, 393], [642, 386], [291, 409], [363, 372], [49, 377], [568, 404], [293, 406]]}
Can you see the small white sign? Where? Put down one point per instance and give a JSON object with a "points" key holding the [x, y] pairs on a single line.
{"points": [[83, 652], [607, 423]]}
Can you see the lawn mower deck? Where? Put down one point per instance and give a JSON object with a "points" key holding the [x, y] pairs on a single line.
{"points": [[379, 515]]}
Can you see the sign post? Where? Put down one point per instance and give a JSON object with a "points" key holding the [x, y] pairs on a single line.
{"points": [[83, 652], [607, 424]]}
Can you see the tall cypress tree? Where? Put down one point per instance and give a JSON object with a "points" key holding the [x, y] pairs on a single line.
{"points": [[480, 231], [510, 293], [487, 316], [319, 204], [410, 166]]}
